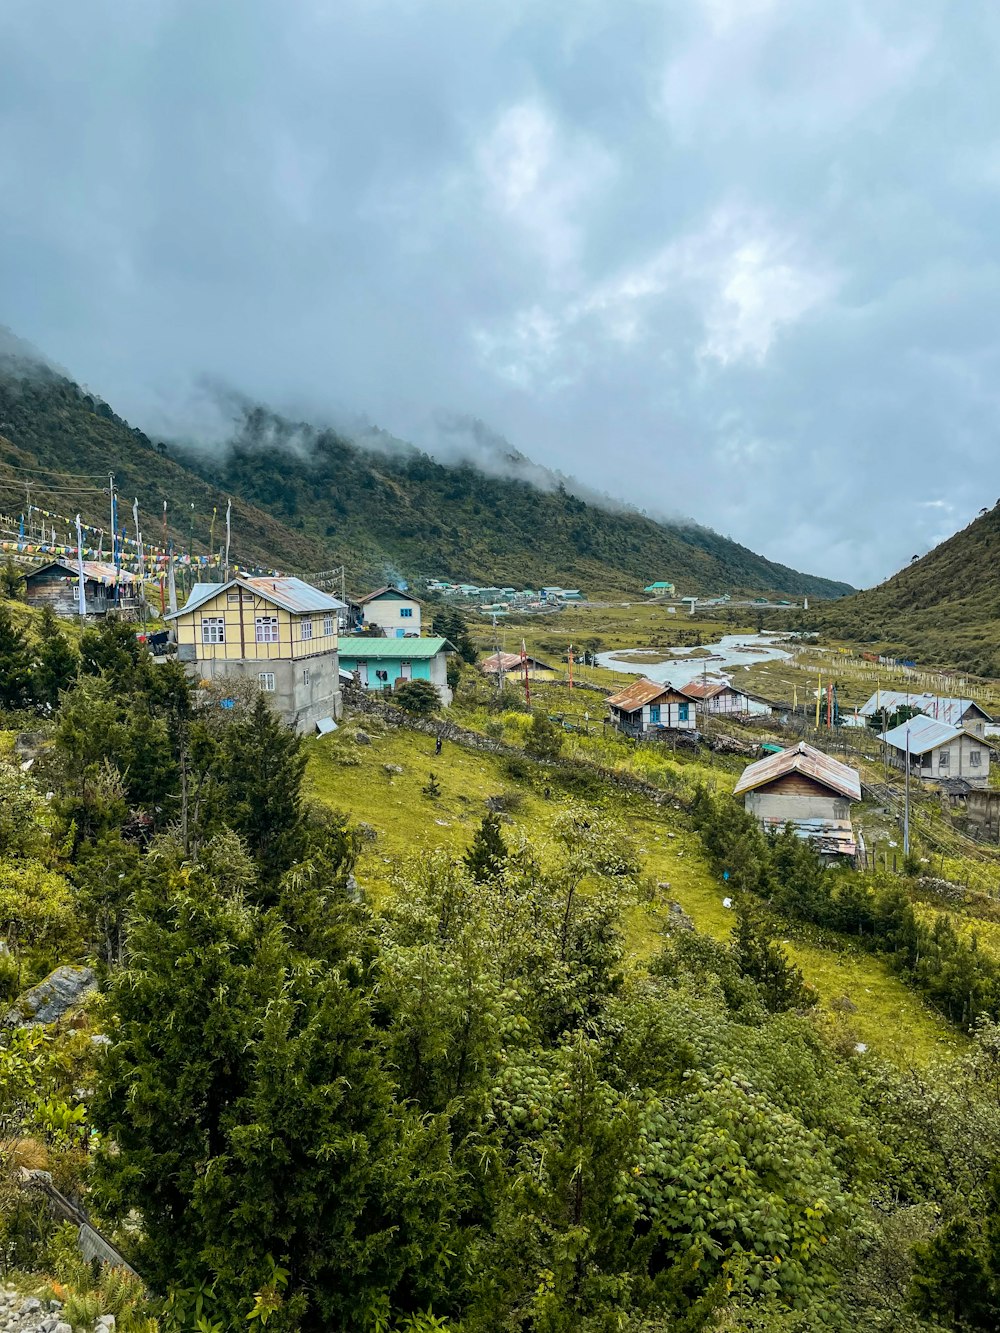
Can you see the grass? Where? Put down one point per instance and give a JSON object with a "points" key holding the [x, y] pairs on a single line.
{"points": [[353, 777]]}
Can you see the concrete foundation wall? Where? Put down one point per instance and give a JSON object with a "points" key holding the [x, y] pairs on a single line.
{"points": [[305, 690]]}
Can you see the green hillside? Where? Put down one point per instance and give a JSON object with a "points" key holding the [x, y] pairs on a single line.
{"points": [[943, 608], [305, 499]]}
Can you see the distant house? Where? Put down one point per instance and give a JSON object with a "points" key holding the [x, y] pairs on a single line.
{"points": [[661, 588], [105, 588], [650, 706], [720, 697], [511, 664], [395, 612], [964, 713], [385, 664], [939, 751], [279, 632], [807, 789]]}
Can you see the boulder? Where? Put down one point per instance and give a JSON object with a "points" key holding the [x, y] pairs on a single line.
{"points": [[61, 991], [362, 737]]}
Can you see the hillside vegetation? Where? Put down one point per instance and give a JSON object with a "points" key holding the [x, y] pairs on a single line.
{"points": [[943, 608], [305, 500]]}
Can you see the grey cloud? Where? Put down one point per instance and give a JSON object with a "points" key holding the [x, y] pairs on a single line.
{"points": [[732, 258]]}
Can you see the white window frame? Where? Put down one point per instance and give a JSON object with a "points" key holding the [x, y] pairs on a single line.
{"points": [[266, 681], [267, 629], [306, 678], [328, 627], [306, 631], [213, 630]]}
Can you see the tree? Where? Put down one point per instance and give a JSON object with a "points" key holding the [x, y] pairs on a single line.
{"points": [[451, 625], [259, 789], [11, 581], [418, 697], [544, 739], [56, 662], [254, 1124], [453, 673], [781, 983], [15, 664], [488, 851]]}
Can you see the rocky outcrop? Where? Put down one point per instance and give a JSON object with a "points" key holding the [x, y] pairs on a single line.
{"points": [[62, 990]]}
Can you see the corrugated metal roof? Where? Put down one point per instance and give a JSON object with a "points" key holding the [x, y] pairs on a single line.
{"points": [[926, 733], [940, 707], [708, 689], [389, 587], [509, 662], [368, 647], [804, 759], [100, 571], [291, 594], [643, 692]]}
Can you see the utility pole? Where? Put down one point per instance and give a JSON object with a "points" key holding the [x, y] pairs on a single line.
{"points": [[496, 650], [906, 799]]}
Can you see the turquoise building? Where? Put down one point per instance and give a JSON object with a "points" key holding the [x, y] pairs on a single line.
{"points": [[381, 663]]}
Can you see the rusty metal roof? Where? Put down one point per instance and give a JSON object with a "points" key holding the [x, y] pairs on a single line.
{"points": [[708, 689], [509, 662], [804, 759], [643, 692]]}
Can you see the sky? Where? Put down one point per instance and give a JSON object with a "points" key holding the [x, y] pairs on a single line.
{"points": [[732, 259]]}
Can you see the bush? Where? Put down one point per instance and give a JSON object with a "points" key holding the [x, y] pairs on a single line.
{"points": [[418, 697]]}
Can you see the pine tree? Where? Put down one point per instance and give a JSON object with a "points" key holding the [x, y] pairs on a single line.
{"points": [[56, 662], [781, 983], [488, 851], [11, 581], [15, 664], [544, 739]]}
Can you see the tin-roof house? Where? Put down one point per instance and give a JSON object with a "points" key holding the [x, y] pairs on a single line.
{"points": [[721, 696], [650, 706], [956, 712], [939, 751], [807, 789], [105, 588]]}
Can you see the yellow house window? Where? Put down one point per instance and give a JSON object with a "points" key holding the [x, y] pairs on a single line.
{"points": [[307, 629], [213, 629], [267, 629], [328, 625]]}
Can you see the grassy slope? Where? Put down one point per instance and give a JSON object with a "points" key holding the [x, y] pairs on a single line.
{"points": [[889, 1017], [943, 608], [317, 501]]}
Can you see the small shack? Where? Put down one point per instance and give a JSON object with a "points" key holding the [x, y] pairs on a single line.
{"points": [[650, 706], [955, 712], [385, 664], [807, 789], [510, 664], [939, 751], [105, 588]]}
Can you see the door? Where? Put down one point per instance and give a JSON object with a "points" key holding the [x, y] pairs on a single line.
{"points": [[363, 672], [405, 670]]}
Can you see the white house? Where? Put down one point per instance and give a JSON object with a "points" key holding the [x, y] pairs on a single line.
{"points": [[939, 751], [964, 713], [721, 696], [649, 706], [805, 788], [395, 612]]}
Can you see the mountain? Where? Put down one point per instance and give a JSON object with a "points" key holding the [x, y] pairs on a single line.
{"points": [[306, 499], [941, 609]]}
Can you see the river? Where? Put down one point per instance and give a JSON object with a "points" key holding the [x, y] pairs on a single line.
{"points": [[731, 650]]}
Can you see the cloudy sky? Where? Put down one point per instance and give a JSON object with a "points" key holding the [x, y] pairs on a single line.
{"points": [[736, 259]]}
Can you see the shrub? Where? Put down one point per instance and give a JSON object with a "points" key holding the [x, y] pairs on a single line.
{"points": [[418, 697]]}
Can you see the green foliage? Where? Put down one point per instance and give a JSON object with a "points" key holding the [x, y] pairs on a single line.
{"points": [[781, 984], [450, 624], [15, 664], [432, 789], [11, 581], [418, 697], [56, 662], [488, 852], [24, 817], [544, 739]]}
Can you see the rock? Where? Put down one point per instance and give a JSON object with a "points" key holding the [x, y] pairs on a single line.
{"points": [[30, 1305], [62, 1327], [362, 738], [106, 1321], [845, 1004], [679, 919], [393, 768], [61, 991]]}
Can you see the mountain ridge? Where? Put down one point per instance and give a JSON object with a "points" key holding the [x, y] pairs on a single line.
{"points": [[307, 498]]}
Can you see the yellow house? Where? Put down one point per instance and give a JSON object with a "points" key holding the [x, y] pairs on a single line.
{"points": [[279, 632]]}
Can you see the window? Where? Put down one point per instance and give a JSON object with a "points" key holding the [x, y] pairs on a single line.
{"points": [[327, 625], [213, 629], [682, 712], [406, 612], [267, 629], [305, 675], [943, 759], [266, 680], [233, 598], [654, 713], [975, 758], [307, 629]]}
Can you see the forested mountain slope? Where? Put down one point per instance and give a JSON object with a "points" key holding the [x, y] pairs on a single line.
{"points": [[943, 608], [306, 499]]}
